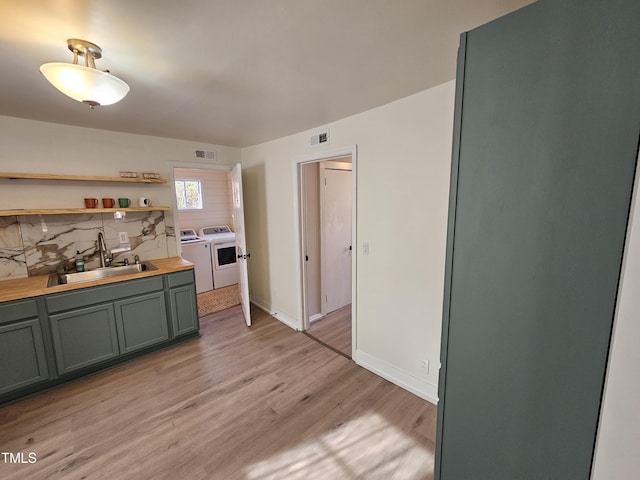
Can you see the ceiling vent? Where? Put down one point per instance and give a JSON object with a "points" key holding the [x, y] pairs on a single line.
{"points": [[321, 138], [205, 155]]}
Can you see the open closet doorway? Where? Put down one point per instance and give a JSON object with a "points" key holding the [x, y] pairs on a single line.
{"points": [[327, 225]]}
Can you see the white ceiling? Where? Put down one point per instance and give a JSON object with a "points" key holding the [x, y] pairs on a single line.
{"points": [[234, 72]]}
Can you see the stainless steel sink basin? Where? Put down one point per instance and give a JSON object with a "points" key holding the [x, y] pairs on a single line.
{"points": [[99, 273]]}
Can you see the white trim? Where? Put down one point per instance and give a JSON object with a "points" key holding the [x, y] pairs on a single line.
{"points": [[281, 317], [326, 155], [298, 240], [200, 166], [287, 320], [315, 317], [403, 379], [336, 153], [322, 178]]}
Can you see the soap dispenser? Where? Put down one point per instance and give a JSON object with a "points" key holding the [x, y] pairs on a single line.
{"points": [[79, 262]]}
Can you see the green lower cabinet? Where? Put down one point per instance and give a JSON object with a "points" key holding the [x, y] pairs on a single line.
{"points": [[84, 337], [91, 328], [141, 321], [184, 310], [22, 356]]}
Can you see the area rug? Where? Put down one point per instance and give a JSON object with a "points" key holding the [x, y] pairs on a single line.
{"points": [[217, 300]]}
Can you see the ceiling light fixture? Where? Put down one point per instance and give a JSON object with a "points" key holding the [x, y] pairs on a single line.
{"points": [[85, 83]]}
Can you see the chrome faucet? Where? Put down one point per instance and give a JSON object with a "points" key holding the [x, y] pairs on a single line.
{"points": [[105, 260]]}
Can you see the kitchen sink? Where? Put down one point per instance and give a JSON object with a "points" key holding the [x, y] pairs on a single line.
{"points": [[99, 273]]}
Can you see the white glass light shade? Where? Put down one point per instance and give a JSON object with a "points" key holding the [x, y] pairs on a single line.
{"points": [[85, 84]]}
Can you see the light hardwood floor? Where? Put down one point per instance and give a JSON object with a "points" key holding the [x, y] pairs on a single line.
{"points": [[334, 330], [238, 403]]}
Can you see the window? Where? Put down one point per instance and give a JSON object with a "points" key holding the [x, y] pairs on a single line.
{"points": [[189, 194]]}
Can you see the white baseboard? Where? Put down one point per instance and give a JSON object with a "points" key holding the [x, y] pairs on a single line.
{"points": [[287, 320], [261, 304], [413, 384], [395, 375], [281, 317], [315, 317]]}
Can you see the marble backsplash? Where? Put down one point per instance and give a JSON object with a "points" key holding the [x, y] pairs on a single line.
{"points": [[38, 244]]}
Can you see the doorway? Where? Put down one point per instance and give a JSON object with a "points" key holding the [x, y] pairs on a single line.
{"points": [[326, 205], [212, 186], [214, 203]]}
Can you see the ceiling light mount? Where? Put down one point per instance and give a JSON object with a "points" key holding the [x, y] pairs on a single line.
{"points": [[85, 83], [89, 50]]}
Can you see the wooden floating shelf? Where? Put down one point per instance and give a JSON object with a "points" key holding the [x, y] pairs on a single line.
{"points": [[78, 178], [64, 211]]}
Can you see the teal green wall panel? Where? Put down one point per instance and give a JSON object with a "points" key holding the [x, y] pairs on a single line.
{"points": [[548, 115]]}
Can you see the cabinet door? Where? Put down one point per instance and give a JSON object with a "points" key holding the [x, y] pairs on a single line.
{"points": [[84, 337], [141, 321], [184, 310], [22, 357]]}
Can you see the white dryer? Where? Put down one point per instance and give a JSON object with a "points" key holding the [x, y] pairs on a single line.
{"points": [[198, 251], [223, 253]]}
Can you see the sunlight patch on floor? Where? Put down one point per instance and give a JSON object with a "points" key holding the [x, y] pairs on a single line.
{"points": [[365, 447]]}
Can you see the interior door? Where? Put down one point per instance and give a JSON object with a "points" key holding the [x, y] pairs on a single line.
{"points": [[241, 241], [336, 235]]}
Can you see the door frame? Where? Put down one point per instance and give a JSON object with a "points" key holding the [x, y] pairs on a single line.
{"points": [[298, 162]]}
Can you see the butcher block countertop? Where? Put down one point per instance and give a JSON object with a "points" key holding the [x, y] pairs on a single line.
{"points": [[36, 286]]}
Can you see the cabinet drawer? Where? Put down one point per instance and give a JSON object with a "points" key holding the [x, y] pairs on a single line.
{"points": [[90, 296], [12, 311], [181, 278]]}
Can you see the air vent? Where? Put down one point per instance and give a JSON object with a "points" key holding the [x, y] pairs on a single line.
{"points": [[319, 138], [205, 154]]}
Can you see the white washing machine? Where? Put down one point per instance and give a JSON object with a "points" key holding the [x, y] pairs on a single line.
{"points": [[223, 254], [198, 251]]}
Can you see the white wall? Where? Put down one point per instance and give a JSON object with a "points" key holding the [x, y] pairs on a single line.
{"points": [[40, 147], [617, 453], [403, 166]]}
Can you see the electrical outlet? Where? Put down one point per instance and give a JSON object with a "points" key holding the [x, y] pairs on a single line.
{"points": [[123, 237], [424, 365], [365, 248]]}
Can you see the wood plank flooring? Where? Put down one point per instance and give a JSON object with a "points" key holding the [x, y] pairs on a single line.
{"points": [[334, 330], [238, 403]]}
